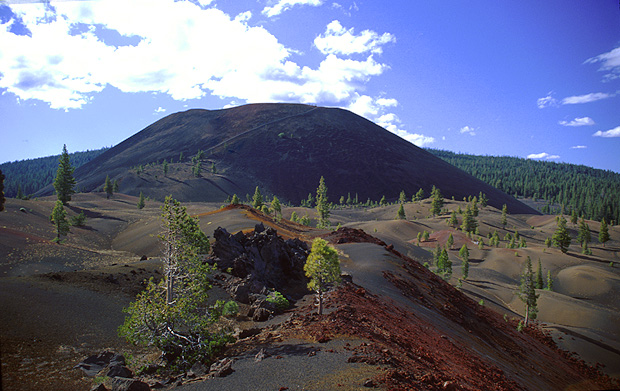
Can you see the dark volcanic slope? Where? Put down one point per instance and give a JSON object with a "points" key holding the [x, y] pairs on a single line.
{"points": [[285, 149]]}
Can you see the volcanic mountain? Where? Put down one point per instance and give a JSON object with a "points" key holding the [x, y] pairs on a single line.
{"points": [[282, 148]]}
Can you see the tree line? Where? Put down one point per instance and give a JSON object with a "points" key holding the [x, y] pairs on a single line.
{"points": [[26, 177], [590, 192]]}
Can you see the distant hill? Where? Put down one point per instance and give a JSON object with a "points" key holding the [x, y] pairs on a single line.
{"points": [[33, 174], [284, 149], [591, 192]]}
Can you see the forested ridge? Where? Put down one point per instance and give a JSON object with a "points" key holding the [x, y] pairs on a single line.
{"points": [[25, 177], [591, 192]]}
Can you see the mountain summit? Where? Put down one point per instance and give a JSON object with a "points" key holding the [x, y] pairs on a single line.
{"points": [[284, 149]]}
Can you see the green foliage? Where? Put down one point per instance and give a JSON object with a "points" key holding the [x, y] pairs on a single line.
{"points": [[305, 220], [278, 300], [257, 199], [172, 314], [591, 192], [277, 208], [231, 308], [464, 254], [419, 237], [425, 236], [450, 241], [401, 213], [294, 217], [561, 239], [165, 167], [64, 181], [265, 209], [454, 221], [603, 235], [469, 222], [322, 268], [107, 187], [419, 195], [402, 198], [548, 242], [141, 202], [504, 220], [197, 168], [539, 276], [235, 200], [78, 220], [59, 219], [527, 292], [382, 201], [34, 174], [322, 206], [437, 201], [584, 236], [549, 281], [213, 168]]}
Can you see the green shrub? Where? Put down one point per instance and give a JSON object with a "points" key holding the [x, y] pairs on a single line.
{"points": [[231, 308], [278, 300], [79, 220]]}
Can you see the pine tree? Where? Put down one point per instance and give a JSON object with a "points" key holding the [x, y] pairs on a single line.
{"points": [[257, 199], [484, 201], [64, 181], [549, 281], [107, 187], [425, 236], [166, 314], [20, 192], [115, 186], [419, 195], [561, 239], [504, 216], [419, 237], [573, 217], [539, 276], [450, 241], [402, 198], [322, 268], [548, 242], [401, 213], [584, 236], [2, 199], [164, 167], [141, 202], [527, 292], [277, 208], [444, 265], [59, 218], [437, 201], [382, 201], [213, 168], [469, 222], [603, 235], [322, 207], [454, 221], [197, 168], [235, 200], [464, 254]]}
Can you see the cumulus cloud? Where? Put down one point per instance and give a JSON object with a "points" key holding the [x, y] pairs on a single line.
{"points": [[546, 101], [159, 110], [64, 61], [469, 130], [579, 147], [285, 5], [542, 155], [376, 111], [587, 98], [610, 62], [615, 132], [581, 121], [338, 40]]}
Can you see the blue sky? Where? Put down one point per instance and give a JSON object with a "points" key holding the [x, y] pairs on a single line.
{"points": [[537, 79]]}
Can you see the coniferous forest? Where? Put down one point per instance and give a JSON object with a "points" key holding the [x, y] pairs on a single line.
{"points": [[25, 177], [591, 192]]}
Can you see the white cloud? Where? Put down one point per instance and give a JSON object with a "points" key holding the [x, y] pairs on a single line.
{"points": [[338, 40], [469, 130], [587, 98], [579, 147], [374, 110], [160, 110], [581, 121], [610, 61], [546, 101], [285, 5], [543, 155], [615, 132], [175, 54]]}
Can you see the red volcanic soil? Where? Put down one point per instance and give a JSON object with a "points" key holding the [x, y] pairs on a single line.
{"points": [[461, 346]]}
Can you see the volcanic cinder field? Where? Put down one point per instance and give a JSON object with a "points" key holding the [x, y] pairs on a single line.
{"points": [[397, 324]]}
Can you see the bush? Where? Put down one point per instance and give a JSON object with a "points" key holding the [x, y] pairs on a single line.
{"points": [[79, 220], [231, 308], [278, 300]]}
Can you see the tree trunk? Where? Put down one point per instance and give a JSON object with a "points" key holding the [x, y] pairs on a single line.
{"points": [[527, 314], [320, 301]]}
